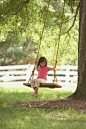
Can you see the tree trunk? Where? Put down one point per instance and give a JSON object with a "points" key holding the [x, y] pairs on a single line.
{"points": [[80, 92]]}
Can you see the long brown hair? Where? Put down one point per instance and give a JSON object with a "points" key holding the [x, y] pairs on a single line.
{"points": [[42, 59]]}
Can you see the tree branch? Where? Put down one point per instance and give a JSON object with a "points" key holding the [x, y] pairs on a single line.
{"points": [[21, 6], [36, 5], [27, 1], [74, 18]]}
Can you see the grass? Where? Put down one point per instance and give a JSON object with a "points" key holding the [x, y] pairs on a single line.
{"points": [[26, 118]]}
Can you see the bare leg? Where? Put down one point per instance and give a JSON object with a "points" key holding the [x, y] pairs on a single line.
{"points": [[34, 88], [35, 84], [36, 92]]}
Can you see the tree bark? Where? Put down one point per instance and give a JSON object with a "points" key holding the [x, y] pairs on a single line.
{"points": [[80, 92]]}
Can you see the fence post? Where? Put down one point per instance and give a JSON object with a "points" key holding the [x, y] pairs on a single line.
{"points": [[67, 75], [28, 72]]}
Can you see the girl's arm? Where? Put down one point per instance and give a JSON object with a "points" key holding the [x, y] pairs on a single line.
{"points": [[54, 66]]}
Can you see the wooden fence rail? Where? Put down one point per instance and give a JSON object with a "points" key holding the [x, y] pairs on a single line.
{"points": [[66, 75]]}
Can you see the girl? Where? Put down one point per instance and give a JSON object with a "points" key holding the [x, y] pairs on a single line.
{"points": [[42, 69]]}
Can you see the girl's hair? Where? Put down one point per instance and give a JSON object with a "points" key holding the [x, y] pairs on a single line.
{"points": [[42, 59]]}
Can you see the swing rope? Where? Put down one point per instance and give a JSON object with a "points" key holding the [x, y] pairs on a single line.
{"points": [[31, 77], [55, 78]]}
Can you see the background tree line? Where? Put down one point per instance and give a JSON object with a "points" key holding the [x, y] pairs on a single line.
{"points": [[21, 24]]}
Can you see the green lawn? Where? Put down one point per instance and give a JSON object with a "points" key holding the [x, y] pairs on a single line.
{"points": [[26, 118]]}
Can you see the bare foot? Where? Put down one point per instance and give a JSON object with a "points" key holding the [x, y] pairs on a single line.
{"points": [[35, 95]]}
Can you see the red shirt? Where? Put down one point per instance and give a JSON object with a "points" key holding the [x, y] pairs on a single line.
{"points": [[42, 72]]}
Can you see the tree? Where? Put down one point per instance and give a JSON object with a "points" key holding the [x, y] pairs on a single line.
{"points": [[80, 92]]}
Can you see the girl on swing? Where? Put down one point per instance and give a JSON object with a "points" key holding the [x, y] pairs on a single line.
{"points": [[42, 69]]}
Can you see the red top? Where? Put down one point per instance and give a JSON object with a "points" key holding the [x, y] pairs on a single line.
{"points": [[42, 72]]}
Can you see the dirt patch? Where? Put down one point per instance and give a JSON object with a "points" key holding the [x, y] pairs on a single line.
{"points": [[61, 104]]}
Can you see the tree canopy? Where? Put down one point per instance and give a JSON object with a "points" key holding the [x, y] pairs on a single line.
{"points": [[21, 24]]}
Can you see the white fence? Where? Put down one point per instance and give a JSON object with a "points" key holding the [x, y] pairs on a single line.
{"points": [[66, 75]]}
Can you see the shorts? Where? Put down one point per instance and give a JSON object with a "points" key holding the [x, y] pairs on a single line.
{"points": [[36, 82]]}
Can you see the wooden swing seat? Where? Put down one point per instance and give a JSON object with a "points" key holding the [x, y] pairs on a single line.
{"points": [[45, 85]]}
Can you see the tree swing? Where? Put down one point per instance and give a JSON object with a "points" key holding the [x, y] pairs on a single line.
{"points": [[48, 85]]}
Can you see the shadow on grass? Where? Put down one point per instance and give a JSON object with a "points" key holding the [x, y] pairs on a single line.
{"points": [[18, 118]]}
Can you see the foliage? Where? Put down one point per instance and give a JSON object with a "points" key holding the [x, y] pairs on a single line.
{"points": [[72, 4], [21, 25]]}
